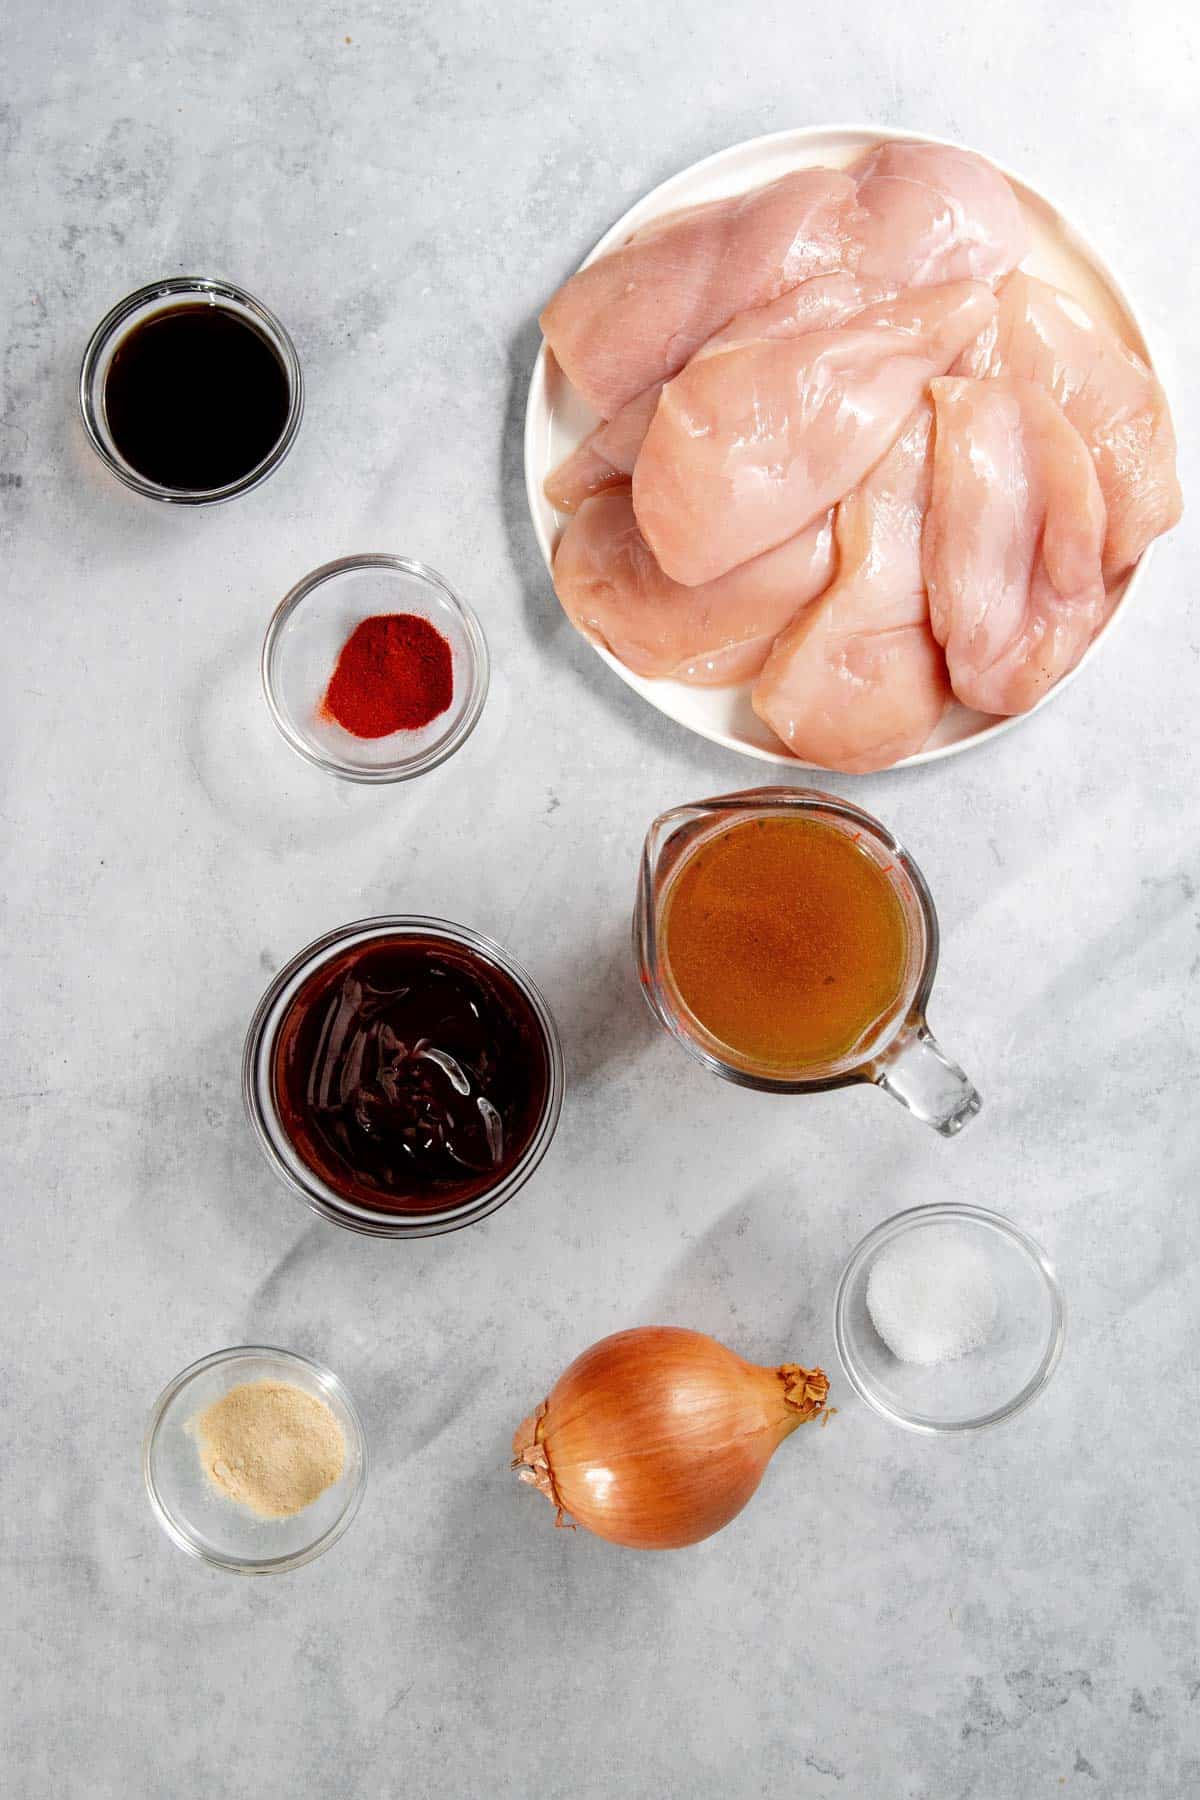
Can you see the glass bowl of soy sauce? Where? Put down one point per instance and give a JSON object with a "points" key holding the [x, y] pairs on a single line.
{"points": [[191, 391]]}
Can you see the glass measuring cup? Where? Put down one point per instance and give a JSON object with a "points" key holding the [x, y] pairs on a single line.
{"points": [[899, 1052]]}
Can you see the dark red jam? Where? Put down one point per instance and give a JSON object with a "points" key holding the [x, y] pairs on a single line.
{"points": [[410, 1074]]}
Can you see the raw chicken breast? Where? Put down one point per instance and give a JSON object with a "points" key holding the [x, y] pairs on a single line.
{"points": [[1109, 395], [932, 214], [760, 436], [635, 316], [857, 681], [606, 458], [816, 305], [906, 214], [1013, 541], [612, 589]]}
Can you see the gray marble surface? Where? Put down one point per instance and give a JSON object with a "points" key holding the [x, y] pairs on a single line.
{"points": [[892, 1619]]}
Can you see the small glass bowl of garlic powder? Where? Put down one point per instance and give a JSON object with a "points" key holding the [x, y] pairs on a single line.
{"points": [[255, 1460], [948, 1318]]}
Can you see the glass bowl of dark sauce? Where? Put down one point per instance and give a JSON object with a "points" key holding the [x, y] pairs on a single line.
{"points": [[404, 1076], [191, 391]]}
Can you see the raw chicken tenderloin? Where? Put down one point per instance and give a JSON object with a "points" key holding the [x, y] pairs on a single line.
{"points": [[606, 458], [612, 589], [635, 316], [1013, 541], [760, 436], [1113, 400], [931, 213], [857, 680]]}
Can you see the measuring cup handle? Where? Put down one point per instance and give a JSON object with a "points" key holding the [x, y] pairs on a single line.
{"points": [[916, 1071]]}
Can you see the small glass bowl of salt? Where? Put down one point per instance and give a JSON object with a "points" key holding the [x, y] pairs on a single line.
{"points": [[948, 1318]]}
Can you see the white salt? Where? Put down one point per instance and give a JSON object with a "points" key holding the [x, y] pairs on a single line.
{"points": [[931, 1297]]}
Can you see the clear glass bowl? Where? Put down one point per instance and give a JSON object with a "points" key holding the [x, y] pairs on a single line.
{"points": [[167, 296], [204, 1522], [305, 638], [987, 1385], [258, 1090]]}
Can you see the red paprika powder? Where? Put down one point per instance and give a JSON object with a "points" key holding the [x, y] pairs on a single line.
{"points": [[394, 673]]}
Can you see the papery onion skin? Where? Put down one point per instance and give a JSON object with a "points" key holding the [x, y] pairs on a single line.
{"points": [[656, 1438]]}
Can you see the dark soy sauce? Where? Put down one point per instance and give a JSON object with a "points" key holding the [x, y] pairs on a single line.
{"points": [[195, 398], [410, 1074]]}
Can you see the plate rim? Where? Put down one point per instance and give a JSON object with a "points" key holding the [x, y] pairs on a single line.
{"points": [[658, 197]]}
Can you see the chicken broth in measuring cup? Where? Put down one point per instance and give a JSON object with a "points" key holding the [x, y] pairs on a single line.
{"points": [[789, 942], [785, 941]]}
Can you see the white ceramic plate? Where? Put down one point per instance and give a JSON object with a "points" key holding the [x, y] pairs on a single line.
{"points": [[556, 419]]}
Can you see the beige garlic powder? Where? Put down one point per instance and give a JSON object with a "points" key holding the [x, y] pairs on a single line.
{"points": [[271, 1447]]}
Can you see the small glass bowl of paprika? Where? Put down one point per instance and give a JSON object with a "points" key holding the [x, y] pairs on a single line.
{"points": [[374, 669]]}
